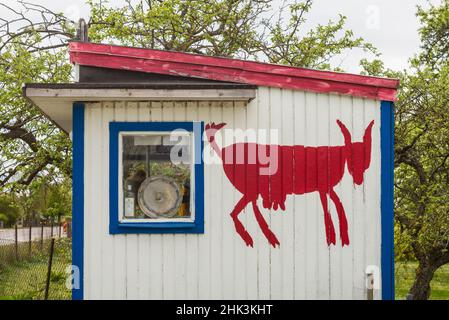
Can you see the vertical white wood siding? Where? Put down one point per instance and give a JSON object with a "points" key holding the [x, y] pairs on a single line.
{"points": [[217, 264]]}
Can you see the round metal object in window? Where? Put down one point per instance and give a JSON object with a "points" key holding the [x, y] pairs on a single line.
{"points": [[159, 197]]}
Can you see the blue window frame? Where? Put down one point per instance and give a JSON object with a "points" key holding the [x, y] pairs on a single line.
{"points": [[117, 225]]}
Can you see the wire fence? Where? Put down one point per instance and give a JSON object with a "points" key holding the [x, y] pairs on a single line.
{"points": [[34, 262]]}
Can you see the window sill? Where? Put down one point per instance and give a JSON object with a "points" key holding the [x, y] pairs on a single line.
{"points": [[156, 227]]}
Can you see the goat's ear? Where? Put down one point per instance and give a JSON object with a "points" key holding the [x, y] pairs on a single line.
{"points": [[345, 132]]}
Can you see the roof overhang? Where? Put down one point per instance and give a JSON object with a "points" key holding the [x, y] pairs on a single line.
{"points": [[56, 100], [232, 70]]}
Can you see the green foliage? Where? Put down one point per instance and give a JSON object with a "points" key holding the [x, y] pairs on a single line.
{"points": [[59, 200], [9, 211], [216, 27], [46, 199], [434, 33], [30, 145], [315, 48], [422, 148]]}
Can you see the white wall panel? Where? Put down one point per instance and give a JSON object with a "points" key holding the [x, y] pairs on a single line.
{"points": [[218, 264]]}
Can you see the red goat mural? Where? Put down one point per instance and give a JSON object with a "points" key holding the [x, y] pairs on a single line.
{"points": [[299, 170]]}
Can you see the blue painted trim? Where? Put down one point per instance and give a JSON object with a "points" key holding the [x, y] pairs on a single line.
{"points": [[387, 168], [78, 196], [115, 227]]}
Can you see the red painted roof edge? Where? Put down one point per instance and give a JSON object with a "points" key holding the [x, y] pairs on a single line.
{"points": [[234, 70]]}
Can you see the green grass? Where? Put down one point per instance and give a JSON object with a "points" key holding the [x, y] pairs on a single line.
{"points": [[404, 276], [26, 279]]}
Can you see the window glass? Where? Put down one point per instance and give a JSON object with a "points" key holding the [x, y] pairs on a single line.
{"points": [[156, 176]]}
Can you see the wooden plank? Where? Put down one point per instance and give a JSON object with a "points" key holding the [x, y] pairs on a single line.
{"points": [[107, 273], [194, 59], [192, 240], [209, 246], [132, 240], [322, 139], [181, 252], [359, 231], [93, 212], [288, 216], [229, 201], [261, 243], [276, 216], [240, 249], [120, 241], [314, 225], [300, 210], [371, 196], [144, 240], [346, 197], [335, 259], [168, 240], [156, 240], [223, 73], [376, 171], [251, 265], [111, 94]]}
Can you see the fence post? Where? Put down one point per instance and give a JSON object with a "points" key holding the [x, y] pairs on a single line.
{"points": [[69, 229], [29, 240], [16, 243], [42, 236], [50, 261], [51, 233], [59, 225]]}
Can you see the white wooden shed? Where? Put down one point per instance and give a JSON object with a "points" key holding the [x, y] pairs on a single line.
{"points": [[199, 177]]}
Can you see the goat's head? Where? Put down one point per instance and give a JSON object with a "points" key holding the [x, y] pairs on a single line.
{"points": [[358, 154], [211, 129]]}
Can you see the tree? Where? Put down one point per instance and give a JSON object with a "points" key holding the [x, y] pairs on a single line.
{"points": [[58, 201], [422, 150], [33, 49], [9, 212], [30, 145]]}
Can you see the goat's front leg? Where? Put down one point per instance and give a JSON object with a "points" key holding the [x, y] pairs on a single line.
{"points": [[344, 237], [264, 226], [328, 224], [238, 225]]}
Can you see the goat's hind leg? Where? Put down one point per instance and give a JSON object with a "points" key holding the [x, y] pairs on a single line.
{"points": [[264, 226], [344, 237], [238, 225], [328, 224]]}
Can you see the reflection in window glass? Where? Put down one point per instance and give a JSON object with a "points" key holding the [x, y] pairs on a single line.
{"points": [[156, 176]]}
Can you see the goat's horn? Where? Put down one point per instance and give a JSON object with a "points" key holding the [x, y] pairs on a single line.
{"points": [[345, 132]]}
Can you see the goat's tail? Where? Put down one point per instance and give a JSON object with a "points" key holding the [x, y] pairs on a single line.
{"points": [[211, 130]]}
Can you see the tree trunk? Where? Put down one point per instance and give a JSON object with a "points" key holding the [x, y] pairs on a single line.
{"points": [[421, 287]]}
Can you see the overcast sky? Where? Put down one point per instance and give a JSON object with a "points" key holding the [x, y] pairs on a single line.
{"points": [[391, 25]]}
